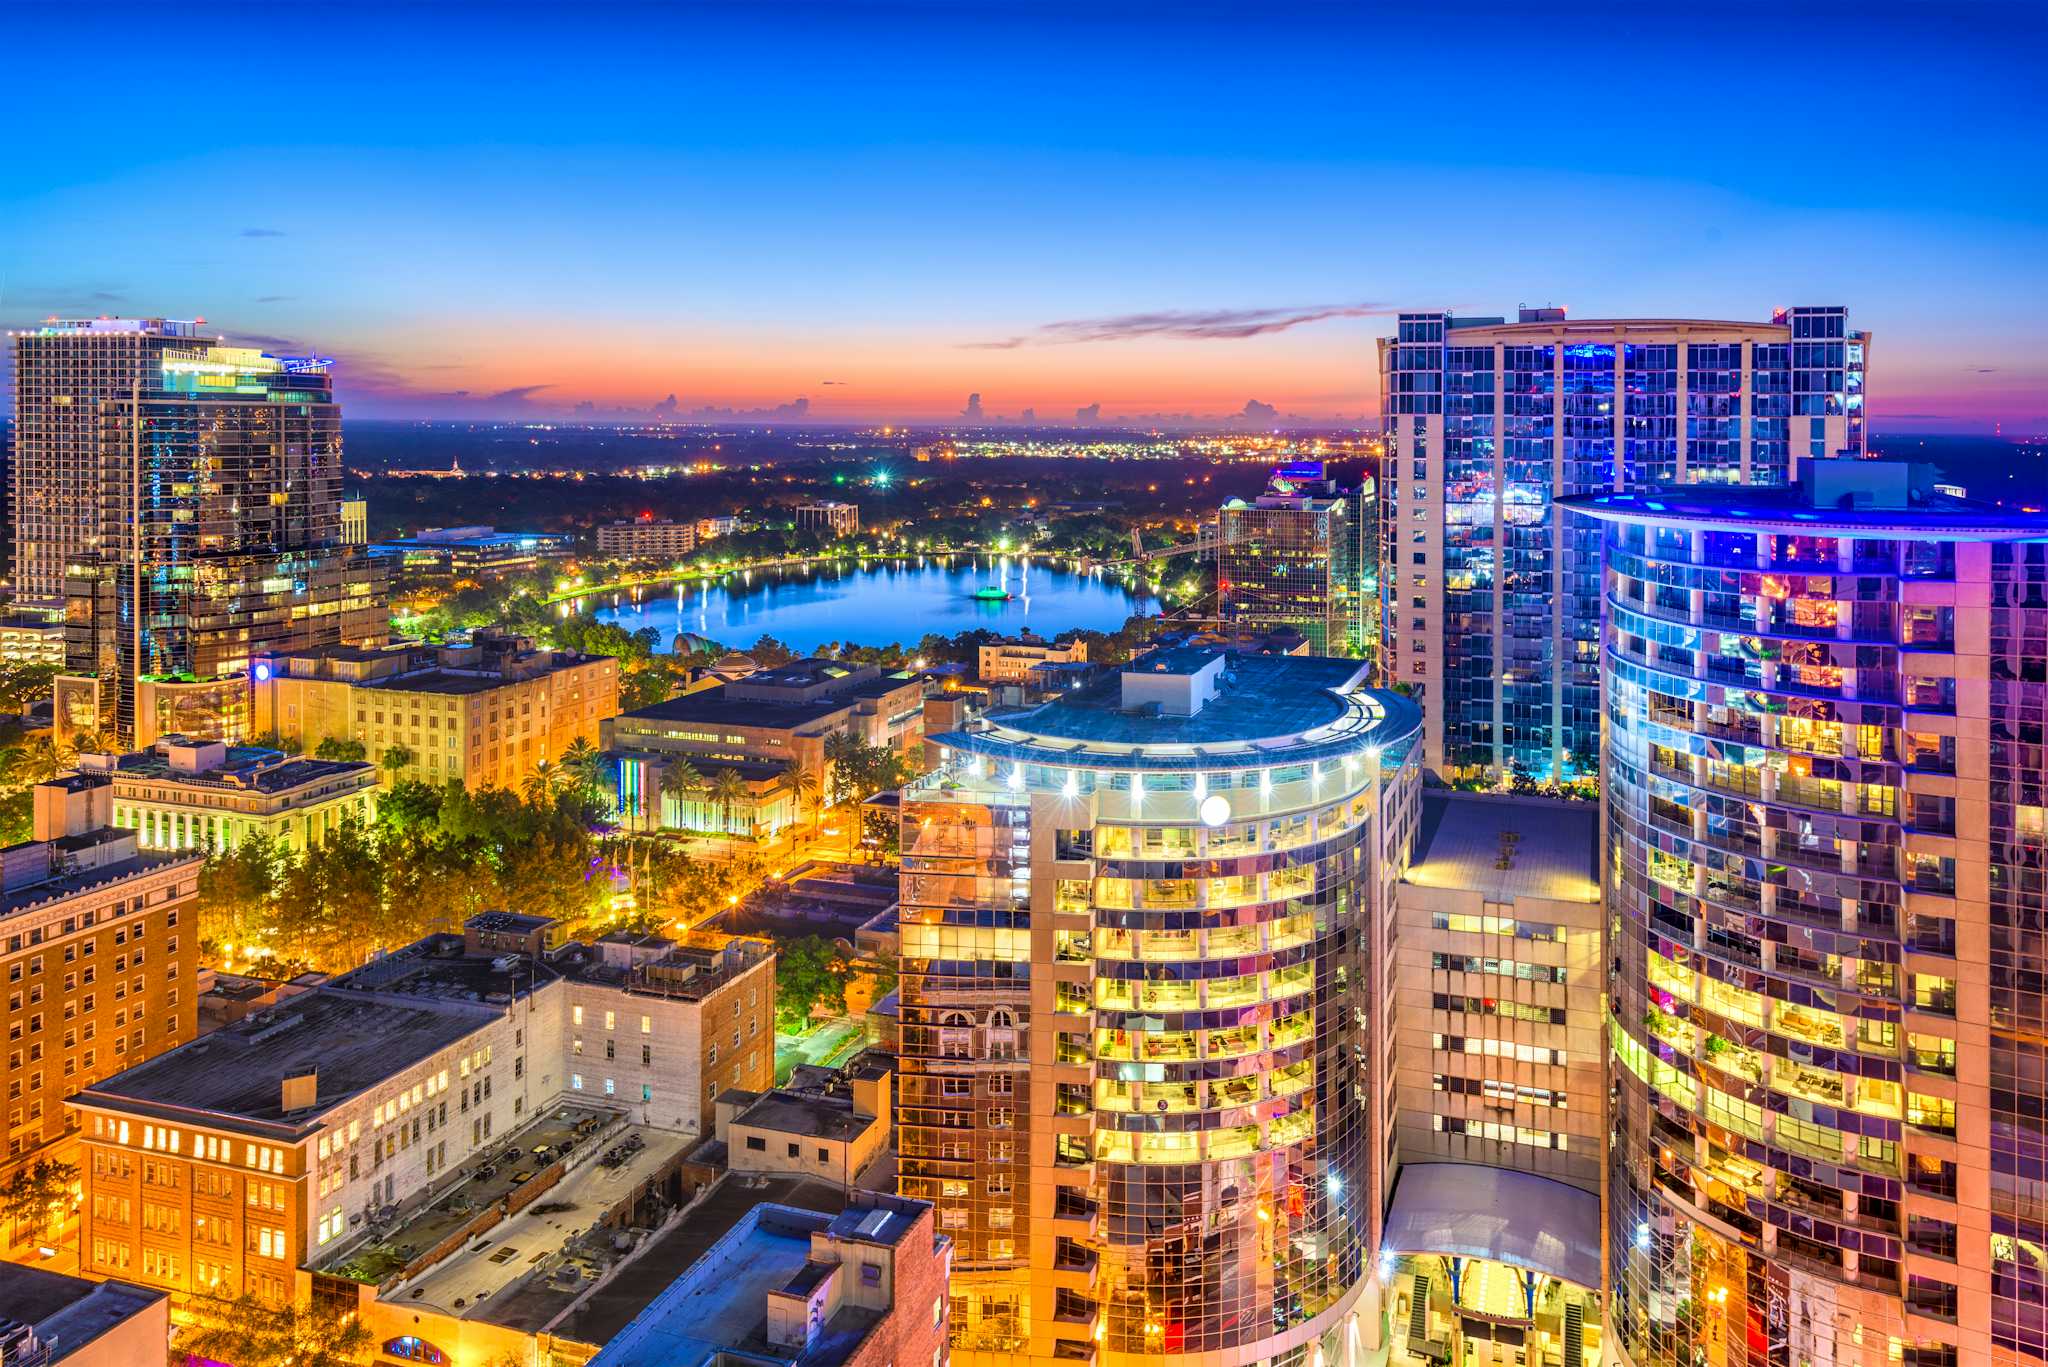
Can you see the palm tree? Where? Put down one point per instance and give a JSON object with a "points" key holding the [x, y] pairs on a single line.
{"points": [[842, 754], [586, 766], [800, 783], [728, 791], [396, 757], [543, 783], [679, 780]]}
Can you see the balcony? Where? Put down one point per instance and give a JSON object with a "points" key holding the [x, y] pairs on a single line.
{"points": [[1070, 1256], [1073, 1210]]}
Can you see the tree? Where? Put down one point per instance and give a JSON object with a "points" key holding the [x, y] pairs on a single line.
{"points": [[250, 1333], [769, 652], [409, 807], [727, 792], [34, 1194], [543, 783], [586, 767], [809, 973], [680, 781], [396, 757], [800, 783], [338, 748], [236, 888], [22, 686]]}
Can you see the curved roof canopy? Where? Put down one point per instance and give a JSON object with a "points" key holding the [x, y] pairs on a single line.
{"points": [[1471, 1211]]}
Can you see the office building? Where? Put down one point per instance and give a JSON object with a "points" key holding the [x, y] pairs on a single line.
{"points": [[1011, 659], [1489, 593], [1144, 1012], [184, 794], [789, 1287], [833, 519], [50, 1320], [1492, 1240], [1824, 783], [355, 520], [482, 713], [31, 640], [62, 371], [757, 727], [299, 1138], [1295, 557], [442, 558], [217, 492], [647, 540], [99, 948]]}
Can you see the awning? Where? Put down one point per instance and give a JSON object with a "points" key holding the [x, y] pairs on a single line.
{"points": [[1471, 1211]]}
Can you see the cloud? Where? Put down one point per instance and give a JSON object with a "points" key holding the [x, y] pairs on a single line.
{"points": [[517, 394], [1255, 411], [1987, 370], [262, 232], [831, 382], [1089, 415], [274, 298], [1192, 325]]}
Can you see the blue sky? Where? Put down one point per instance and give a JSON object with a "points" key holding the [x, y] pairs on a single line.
{"points": [[880, 209]]}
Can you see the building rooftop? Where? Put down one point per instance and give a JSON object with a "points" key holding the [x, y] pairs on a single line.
{"points": [[656, 1266], [720, 704], [351, 1042], [1874, 498], [1506, 846], [720, 1305], [806, 1115], [1265, 708], [72, 875], [246, 768], [68, 1313]]}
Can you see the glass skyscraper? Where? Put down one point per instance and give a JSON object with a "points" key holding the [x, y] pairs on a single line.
{"points": [[1825, 787], [1489, 594], [1297, 556], [215, 488], [1145, 1010], [62, 370]]}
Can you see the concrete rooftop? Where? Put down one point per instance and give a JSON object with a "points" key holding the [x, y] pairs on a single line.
{"points": [[1506, 846]]}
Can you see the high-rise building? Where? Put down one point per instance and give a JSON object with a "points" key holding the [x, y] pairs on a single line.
{"points": [[355, 520], [1491, 1250], [1825, 789], [216, 493], [1489, 594], [1295, 557], [62, 371], [100, 974], [1144, 1010]]}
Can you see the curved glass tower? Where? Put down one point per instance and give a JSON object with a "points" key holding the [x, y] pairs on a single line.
{"points": [[1824, 782], [1142, 1023]]}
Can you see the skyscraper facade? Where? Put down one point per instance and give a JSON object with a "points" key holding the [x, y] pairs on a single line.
{"points": [[1489, 594], [217, 537], [1296, 557], [62, 371], [1144, 1010], [1825, 791]]}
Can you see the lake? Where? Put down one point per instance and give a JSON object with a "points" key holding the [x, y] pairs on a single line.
{"points": [[879, 603]]}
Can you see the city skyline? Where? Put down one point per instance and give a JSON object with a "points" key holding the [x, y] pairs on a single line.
{"points": [[874, 214]]}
